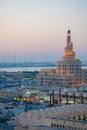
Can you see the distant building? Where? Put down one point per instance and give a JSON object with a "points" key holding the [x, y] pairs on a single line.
{"points": [[68, 71]]}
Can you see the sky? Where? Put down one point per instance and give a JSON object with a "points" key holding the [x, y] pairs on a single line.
{"points": [[35, 30]]}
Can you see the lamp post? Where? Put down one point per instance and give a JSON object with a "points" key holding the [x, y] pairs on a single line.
{"points": [[53, 97], [67, 97], [81, 97], [74, 98], [50, 98], [60, 96]]}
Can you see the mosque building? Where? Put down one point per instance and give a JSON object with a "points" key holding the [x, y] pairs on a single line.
{"points": [[68, 71]]}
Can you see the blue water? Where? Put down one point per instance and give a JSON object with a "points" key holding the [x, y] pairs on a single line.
{"points": [[24, 69], [28, 69]]}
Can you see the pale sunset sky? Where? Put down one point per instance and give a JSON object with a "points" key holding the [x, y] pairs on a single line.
{"points": [[35, 30]]}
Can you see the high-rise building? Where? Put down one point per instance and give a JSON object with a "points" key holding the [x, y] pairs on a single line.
{"points": [[68, 71]]}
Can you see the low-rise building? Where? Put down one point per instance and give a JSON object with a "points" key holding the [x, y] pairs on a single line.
{"points": [[69, 117]]}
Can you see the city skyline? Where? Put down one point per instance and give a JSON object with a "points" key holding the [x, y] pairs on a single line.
{"points": [[35, 30]]}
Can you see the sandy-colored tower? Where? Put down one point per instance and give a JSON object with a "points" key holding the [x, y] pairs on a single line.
{"points": [[68, 71], [69, 53]]}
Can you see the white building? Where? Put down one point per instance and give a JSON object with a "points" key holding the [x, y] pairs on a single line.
{"points": [[68, 71], [68, 117]]}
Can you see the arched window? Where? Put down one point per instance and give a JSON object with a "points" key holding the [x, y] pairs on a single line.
{"points": [[63, 126], [79, 118], [52, 124], [57, 125], [69, 127], [84, 118], [73, 117]]}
